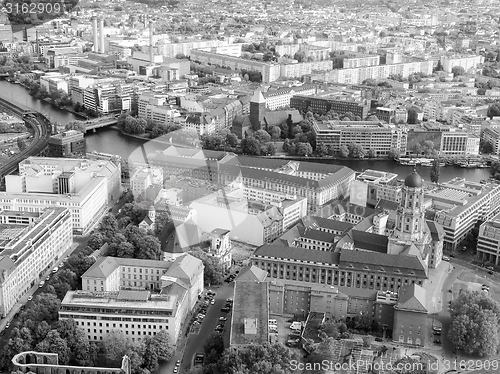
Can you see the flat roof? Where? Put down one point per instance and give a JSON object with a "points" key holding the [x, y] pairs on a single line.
{"points": [[250, 304]]}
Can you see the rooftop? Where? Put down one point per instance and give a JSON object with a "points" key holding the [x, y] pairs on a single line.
{"points": [[250, 305]]}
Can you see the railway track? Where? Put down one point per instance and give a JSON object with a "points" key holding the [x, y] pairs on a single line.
{"points": [[40, 128]]}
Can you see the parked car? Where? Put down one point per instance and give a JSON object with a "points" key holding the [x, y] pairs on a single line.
{"points": [[212, 302], [223, 319], [55, 270], [296, 326], [30, 298], [437, 341], [42, 283], [225, 310], [446, 258]]}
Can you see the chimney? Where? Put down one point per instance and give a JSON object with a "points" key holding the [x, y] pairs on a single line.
{"points": [[151, 42], [101, 35], [95, 48]]}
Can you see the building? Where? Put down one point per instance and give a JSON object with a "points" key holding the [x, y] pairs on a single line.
{"points": [[145, 177], [69, 143], [349, 268], [488, 241], [378, 136], [31, 243], [458, 205], [250, 315], [130, 286], [38, 171], [380, 186], [413, 234], [220, 248], [410, 316], [360, 74], [492, 135], [319, 183], [42, 362], [327, 102], [466, 62], [280, 97]]}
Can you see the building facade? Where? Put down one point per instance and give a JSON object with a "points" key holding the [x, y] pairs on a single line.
{"points": [[32, 243]]}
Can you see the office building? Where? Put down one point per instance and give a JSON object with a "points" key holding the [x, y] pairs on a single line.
{"points": [[69, 143], [145, 177], [458, 205], [31, 243], [130, 287], [38, 171], [327, 102], [381, 137]]}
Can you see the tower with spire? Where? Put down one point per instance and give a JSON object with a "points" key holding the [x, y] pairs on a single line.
{"points": [[257, 110]]}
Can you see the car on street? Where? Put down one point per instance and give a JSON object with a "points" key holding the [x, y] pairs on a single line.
{"points": [[30, 298], [222, 319], [212, 302], [437, 341], [225, 309], [42, 283], [446, 258], [176, 370], [485, 288], [378, 339], [55, 270], [47, 278], [178, 363]]}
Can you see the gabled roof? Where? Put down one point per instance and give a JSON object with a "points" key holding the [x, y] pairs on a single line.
{"points": [[412, 298], [321, 236], [102, 268], [258, 97], [299, 254], [326, 223], [251, 273], [375, 260]]}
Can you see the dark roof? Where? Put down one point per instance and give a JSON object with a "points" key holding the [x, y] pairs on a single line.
{"points": [[414, 180], [326, 223], [300, 254], [321, 236], [376, 261], [387, 205], [437, 231], [370, 241]]}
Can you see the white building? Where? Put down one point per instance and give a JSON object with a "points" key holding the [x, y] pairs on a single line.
{"points": [[31, 243], [133, 305], [220, 247], [144, 178], [86, 205]]}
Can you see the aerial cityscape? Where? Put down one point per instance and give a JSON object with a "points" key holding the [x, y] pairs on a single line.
{"points": [[249, 187]]}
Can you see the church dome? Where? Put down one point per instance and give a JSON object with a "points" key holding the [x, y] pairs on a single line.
{"points": [[413, 180]]}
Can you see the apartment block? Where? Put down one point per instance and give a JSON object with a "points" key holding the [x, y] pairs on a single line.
{"points": [[31, 243], [378, 136], [466, 62]]}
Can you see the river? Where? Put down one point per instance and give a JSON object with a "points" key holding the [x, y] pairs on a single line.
{"points": [[114, 142]]}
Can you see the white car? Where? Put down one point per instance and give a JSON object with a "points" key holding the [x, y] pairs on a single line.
{"points": [[297, 326], [446, 258], [30, 298]]}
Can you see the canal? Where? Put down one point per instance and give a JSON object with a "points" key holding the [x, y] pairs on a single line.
{"points": [[114, 142]]}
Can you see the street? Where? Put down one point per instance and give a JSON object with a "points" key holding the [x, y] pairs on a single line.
{"points": [[195, 342]]}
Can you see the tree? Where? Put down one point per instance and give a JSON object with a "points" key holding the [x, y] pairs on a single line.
{"points": [[76, 125], [394, 154], [372, 153], [457, 71], [157, 349], [435, 171], [148, 248], [475, 323], [321, 149], [412, 116], [53, 343], [80, 263], [231, 140], [262, 136], [250, 146], [262, 359], [486, 147], [343, 151], [21, 144], [270, 149], [303, 149], [356, 150], [213, 273], [493, 110], [300, 56], [213, 349], [275, 132]]}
